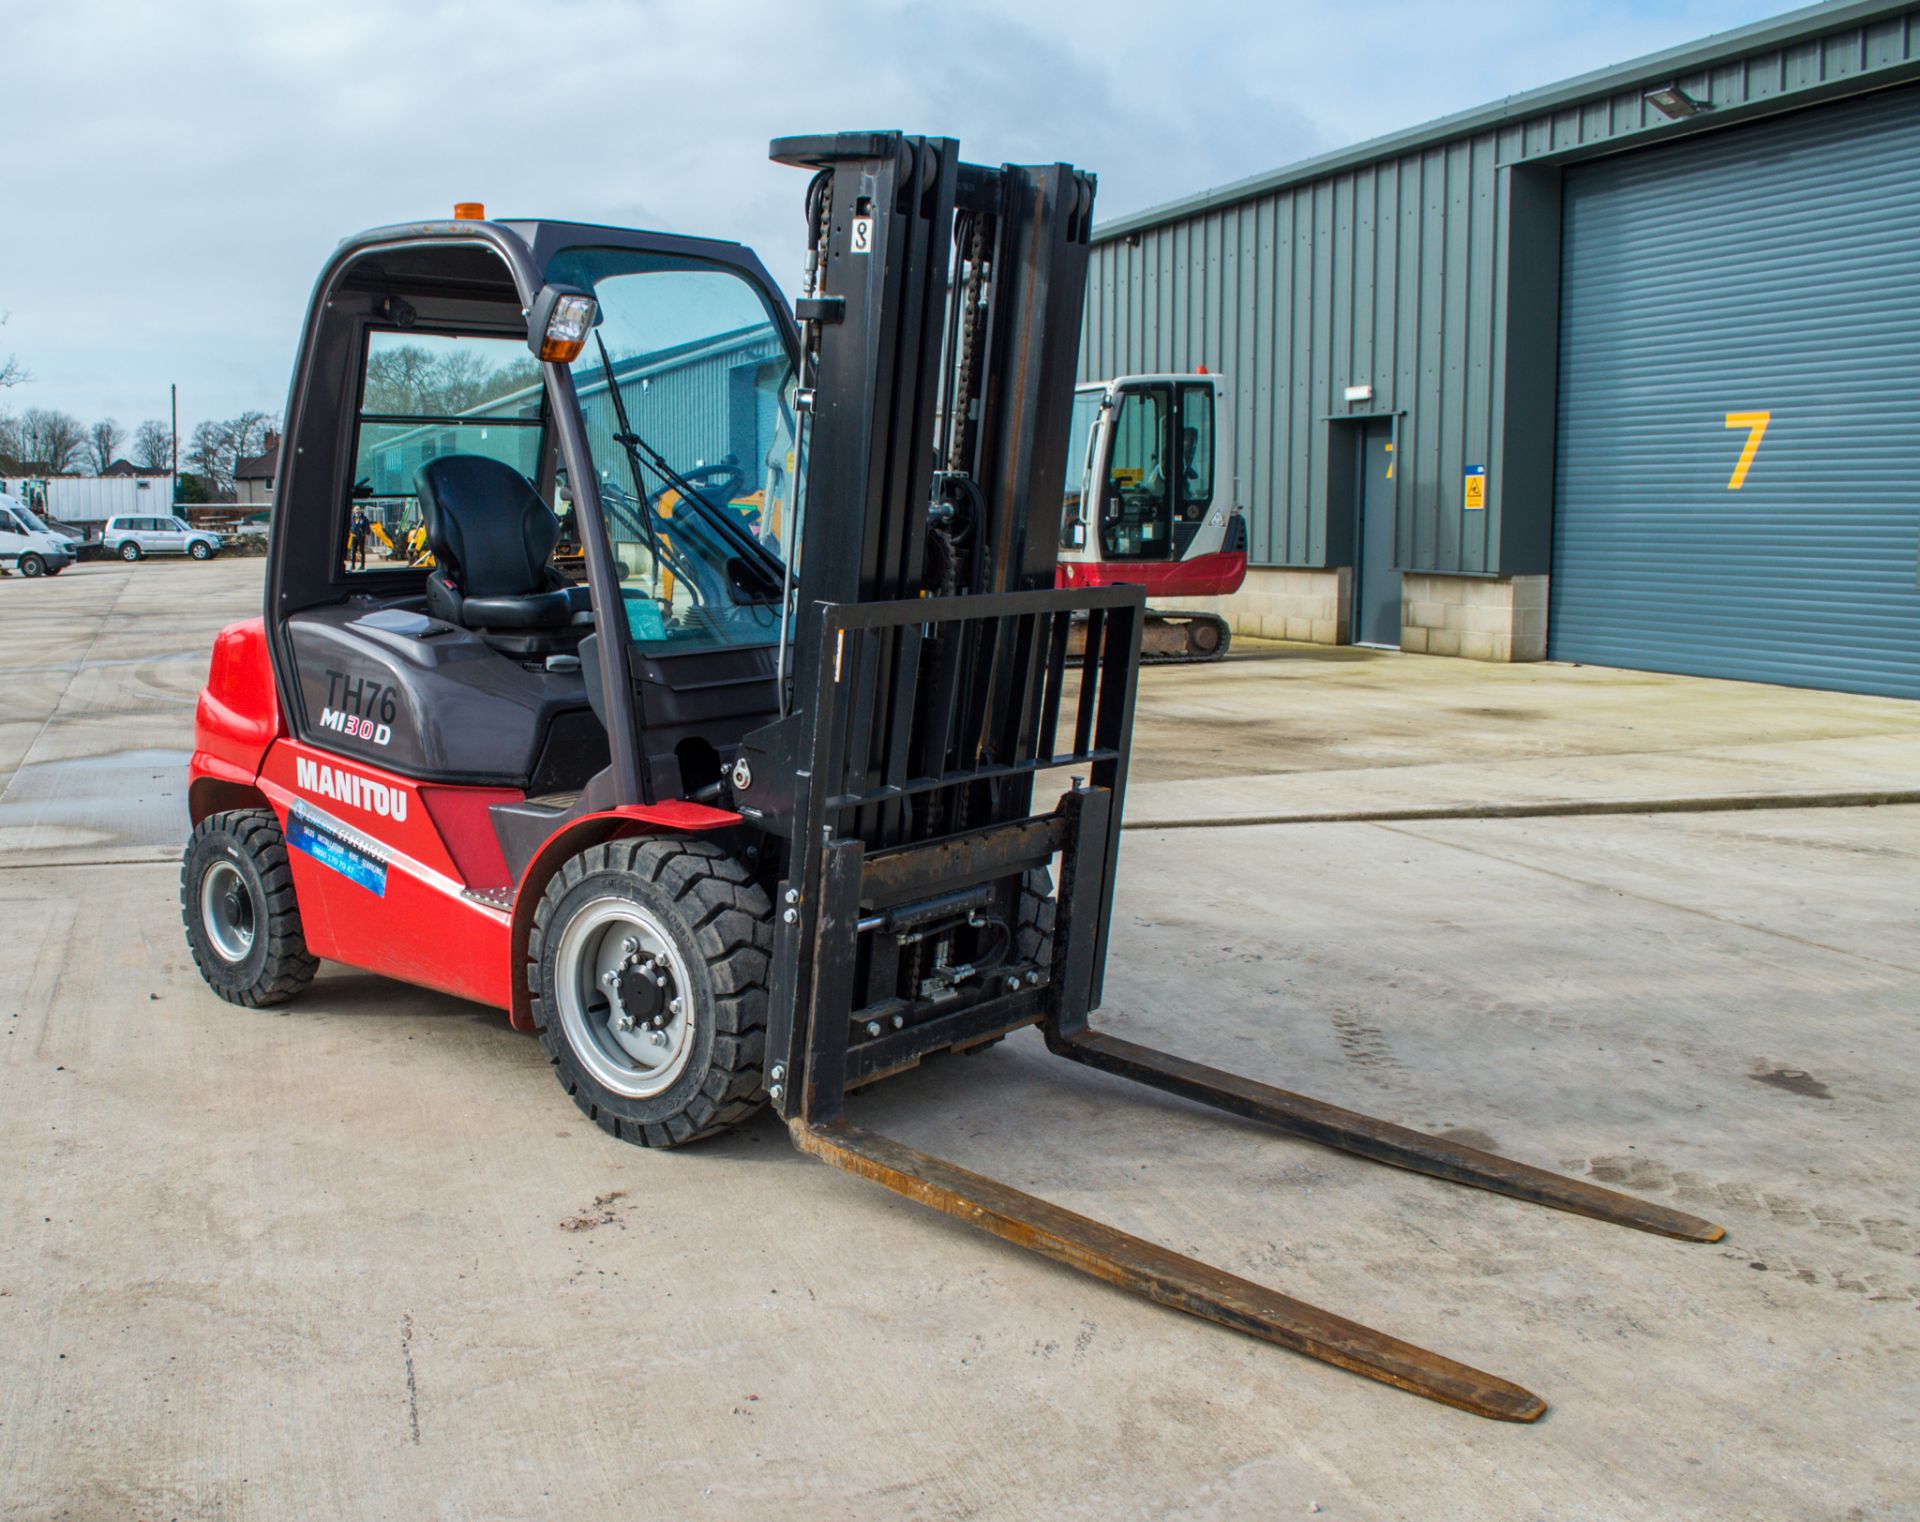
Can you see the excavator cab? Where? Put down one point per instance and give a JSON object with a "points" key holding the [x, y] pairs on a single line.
{"points": [[734, 737]]}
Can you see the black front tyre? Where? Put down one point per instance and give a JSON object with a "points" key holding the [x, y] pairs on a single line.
{"points": [[648, 967], [237, 901], [200, 550], [32, 566]]}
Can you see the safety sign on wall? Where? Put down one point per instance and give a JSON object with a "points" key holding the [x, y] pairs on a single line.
{"points": [[1475, 494]]}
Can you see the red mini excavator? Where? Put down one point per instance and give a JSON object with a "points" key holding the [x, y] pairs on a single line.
{"points": [[1146, 506], [777, 798]]}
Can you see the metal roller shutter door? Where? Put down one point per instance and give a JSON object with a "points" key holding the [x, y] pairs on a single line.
{"points": [[1766, 269]]}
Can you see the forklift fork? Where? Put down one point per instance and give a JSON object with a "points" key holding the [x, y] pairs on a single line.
{"points": [[1170, 1279], [1379, 1141], [1163, 1276]]}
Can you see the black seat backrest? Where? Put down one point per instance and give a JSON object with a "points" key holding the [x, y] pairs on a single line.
{"points": [[486, 525]]}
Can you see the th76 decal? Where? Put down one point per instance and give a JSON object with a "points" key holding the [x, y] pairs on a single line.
{"points": [[358, 706]]}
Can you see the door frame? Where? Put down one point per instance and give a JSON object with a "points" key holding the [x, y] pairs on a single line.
{"points": [[1344, 507]]}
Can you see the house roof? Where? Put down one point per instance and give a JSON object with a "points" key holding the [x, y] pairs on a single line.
{"points": [[260, 467], [125, 467]]}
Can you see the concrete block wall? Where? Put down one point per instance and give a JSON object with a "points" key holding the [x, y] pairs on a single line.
{"points": [[1481, 618], [1316, 606]]}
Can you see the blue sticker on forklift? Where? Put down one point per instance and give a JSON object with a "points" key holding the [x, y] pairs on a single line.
{"points": [[303, 834]]}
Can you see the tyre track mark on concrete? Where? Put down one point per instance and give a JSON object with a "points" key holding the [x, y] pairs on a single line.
{"points": [[1886, 1234]]}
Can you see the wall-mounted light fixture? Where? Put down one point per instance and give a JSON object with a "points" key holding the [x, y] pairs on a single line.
{"points": [[1671, 100]]}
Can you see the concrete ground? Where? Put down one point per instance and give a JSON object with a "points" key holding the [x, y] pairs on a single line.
{"points": [[278, 1266]]}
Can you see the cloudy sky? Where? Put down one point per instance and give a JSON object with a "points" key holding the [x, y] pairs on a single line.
{"points": [[175, 174]]}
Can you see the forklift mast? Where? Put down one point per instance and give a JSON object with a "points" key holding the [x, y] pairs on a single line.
{"points": [[928, 662]]}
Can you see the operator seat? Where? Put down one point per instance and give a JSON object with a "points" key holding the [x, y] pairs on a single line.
{"points": [[492, 538]]}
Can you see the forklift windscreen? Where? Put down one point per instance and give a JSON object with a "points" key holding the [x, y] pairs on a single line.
{"points": [[686, 393]]}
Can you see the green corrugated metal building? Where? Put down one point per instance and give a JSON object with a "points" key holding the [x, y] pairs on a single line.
{"points": [[1625, 370]]}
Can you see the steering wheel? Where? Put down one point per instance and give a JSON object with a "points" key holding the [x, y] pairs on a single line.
{"points": [[717, 483]]}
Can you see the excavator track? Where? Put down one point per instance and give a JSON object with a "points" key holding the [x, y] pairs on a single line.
{"points": [[1171, 637]]}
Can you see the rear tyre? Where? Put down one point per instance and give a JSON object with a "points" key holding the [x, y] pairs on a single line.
{"points": [[129, 552], [648, 967], [32, 566], [200, 550], [237, 901]]}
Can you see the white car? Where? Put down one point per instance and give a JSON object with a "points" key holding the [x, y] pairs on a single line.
{"points": [[131, 537], [34, 549]]}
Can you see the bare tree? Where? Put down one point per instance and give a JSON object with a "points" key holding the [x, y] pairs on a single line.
{"points": [[211, 456], [412, 381], [248, 434], [12, 372], [103, 443], [51, 442], [153, 445], [218, 446]]}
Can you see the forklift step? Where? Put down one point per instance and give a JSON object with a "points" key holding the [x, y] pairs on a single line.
{"points": [[1161, 1275]]}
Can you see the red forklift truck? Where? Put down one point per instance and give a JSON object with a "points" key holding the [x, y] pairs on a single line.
{"points": [[765, 808]]}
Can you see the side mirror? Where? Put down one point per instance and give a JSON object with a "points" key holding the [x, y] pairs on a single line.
{"points": [[559, 321]]}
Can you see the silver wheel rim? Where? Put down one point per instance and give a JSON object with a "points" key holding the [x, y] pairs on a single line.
{"points": [[29, 566], [227, 912], [200, 552], [625, 1000], [130, 553]]}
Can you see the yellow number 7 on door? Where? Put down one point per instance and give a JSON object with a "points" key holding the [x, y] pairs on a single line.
{"points": [[1756, 425]]}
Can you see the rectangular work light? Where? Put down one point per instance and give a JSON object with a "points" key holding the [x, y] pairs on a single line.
{"points": [[1671, 100]]}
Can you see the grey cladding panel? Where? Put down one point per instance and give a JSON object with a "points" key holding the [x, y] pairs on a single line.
{"points": [[1770, 269]]}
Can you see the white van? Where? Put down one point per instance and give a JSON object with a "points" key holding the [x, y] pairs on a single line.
{"points": [[32, 547]]}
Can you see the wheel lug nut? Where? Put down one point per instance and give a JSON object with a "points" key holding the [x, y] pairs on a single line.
{"points": [[630, 945], [873, 1027]]}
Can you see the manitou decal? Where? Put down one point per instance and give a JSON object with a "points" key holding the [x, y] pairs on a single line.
{"points": [[343, 786]]}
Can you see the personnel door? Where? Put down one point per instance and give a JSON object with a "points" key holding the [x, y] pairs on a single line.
{"points": [[1376, 581]]}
